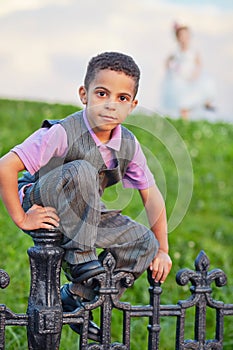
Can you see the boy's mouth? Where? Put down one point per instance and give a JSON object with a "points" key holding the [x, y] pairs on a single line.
{"points": [[108, 118]]}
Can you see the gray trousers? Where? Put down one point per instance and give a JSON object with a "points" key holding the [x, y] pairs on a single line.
{"points": [[73, 189]]}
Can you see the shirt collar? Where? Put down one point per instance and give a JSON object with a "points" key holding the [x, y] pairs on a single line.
{"points": [[114, 142]]}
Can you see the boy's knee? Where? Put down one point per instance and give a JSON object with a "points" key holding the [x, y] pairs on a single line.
{"points": [[153, 244], [81, 170], [81, 165]]}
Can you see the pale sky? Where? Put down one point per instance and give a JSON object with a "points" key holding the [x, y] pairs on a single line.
{"points": [[46, 44]]}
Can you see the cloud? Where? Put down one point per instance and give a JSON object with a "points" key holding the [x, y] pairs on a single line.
{"points": [[11, 6]]}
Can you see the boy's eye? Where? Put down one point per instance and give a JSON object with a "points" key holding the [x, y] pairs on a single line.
{"points": [[123, 98], [101, 93]]}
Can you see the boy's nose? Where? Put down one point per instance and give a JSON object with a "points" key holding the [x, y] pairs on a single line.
{"points": [[111, 105]]}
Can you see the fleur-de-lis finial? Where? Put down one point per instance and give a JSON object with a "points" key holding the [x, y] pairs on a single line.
{"points": [[201, 278]]}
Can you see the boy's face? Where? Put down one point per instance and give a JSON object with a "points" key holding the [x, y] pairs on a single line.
{"points": [[109, 99]]}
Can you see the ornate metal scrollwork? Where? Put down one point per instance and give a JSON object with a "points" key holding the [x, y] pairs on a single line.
{"points": [[201, 278], [45, 317], [4, 279], [201, 298]]}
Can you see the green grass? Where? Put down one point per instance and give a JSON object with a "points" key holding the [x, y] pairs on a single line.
{"points": [[171, 147]]}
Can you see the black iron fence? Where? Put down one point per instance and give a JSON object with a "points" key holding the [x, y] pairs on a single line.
{"points": [[44, 318]]}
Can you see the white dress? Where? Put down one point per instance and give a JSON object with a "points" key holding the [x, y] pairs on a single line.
{"points": [[180, 90]]}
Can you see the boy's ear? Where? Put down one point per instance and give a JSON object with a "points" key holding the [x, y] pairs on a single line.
{"points": [[83, 94], [133, 105]]}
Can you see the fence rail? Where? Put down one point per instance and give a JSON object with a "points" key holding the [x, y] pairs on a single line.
{"points": [[44, 317]]}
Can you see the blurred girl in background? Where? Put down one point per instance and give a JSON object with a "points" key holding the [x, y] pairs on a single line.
{"points": [[186, 89]]}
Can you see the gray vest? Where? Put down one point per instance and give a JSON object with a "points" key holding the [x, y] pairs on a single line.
{"points": [[81, 146]]}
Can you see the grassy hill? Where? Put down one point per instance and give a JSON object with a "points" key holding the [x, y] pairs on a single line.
{"points": [[192, 163]]}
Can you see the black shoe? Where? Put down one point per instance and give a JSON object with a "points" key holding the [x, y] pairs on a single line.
{"points": [[71, 302], [84, 271]]}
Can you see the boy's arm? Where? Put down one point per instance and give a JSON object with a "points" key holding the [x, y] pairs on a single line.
{"points": [[37, 216], [156, 213]]}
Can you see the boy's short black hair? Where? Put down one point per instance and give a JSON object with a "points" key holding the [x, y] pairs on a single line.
{"points": [[115, 61]]}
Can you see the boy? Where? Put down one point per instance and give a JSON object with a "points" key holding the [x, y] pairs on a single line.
{"points": [[69, 164]]}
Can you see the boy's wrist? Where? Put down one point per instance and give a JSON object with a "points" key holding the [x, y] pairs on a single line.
{"points": [[19, 220], [164, 250]]}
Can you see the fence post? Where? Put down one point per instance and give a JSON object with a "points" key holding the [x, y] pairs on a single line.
{"points": [[154, 321], [4, 282], [44, 303]]}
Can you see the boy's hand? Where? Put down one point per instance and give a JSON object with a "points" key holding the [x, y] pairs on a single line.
{"points": [[160, 266], [40, 217]]}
